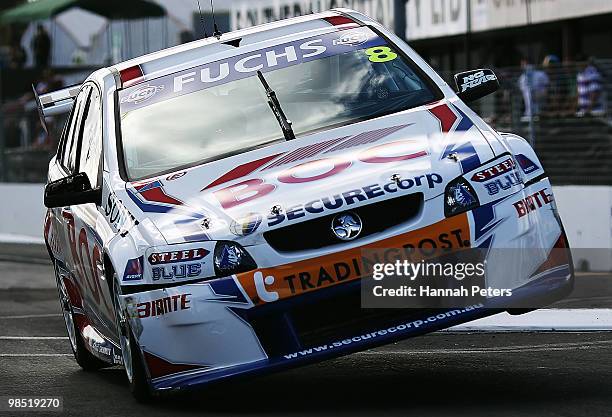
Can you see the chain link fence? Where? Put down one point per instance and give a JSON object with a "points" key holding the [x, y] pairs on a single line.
{"points": [[27, 147]]}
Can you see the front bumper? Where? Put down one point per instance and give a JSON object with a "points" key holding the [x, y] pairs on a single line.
{"points": [[199, 333]]}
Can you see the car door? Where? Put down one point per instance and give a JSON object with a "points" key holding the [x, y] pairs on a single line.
{"points": [[81, 221], [60, 219], [55, 225]]}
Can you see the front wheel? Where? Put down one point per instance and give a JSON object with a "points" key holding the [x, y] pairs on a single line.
{"points": [[133, 362]]}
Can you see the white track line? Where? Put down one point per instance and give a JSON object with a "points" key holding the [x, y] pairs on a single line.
{"points": [[599, 319], [33, 355], [29, 316], [33, 338], [23, 239]]}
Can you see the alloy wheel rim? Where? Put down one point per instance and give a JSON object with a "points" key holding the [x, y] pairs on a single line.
{"points": [[68, 316]]}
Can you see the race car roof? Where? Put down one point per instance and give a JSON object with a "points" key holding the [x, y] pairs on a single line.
{"points": [[171, 60]]}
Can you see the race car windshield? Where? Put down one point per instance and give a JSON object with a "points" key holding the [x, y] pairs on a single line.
{"points": [[221, 109]]}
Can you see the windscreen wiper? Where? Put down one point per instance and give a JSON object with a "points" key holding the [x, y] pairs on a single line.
{"points": [[285, 124]]}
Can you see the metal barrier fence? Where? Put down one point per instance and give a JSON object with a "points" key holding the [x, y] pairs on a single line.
{"points": [[27, 148], [572, 137]]}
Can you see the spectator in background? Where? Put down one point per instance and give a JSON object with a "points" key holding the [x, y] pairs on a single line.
{"points": [[590, 88], [41, 47], [557, 89], [49, 82], [533, 84]]}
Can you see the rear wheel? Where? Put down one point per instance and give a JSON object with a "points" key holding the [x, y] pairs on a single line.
{"points": [[84, 358], [133, 362]]}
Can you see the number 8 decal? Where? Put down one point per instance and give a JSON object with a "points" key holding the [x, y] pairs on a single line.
{"points": [[380, 54]]}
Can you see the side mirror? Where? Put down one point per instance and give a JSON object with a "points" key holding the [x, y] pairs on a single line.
{"points": [[475, 84], [71, 191]]}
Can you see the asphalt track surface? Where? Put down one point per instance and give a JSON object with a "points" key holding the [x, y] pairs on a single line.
{"points": [[443, 374]]}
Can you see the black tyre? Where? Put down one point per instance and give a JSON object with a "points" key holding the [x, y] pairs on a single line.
{"points": [[133, 362], [84, 358]]}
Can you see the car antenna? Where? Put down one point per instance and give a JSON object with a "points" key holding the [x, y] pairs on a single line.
{"points": [[217, 33], [202, 20]]}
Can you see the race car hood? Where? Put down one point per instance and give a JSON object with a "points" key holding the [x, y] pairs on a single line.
{"points": [[240, 197]]}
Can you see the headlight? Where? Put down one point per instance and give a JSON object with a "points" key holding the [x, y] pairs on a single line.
{"points": [[231, 258], [459, 197]]}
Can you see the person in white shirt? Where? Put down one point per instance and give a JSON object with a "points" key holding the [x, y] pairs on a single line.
{"points": [[533, 84]]}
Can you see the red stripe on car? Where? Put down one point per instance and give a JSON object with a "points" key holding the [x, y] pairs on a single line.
{"points": [[241, 171], [445, 115]]}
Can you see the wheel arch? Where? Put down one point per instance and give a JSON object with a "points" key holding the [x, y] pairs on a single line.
{"points": [[528, 160]]}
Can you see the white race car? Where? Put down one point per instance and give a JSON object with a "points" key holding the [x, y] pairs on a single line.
{"points": [[209, 203]]}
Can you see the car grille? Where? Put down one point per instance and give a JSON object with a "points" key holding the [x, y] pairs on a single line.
{"points": [[343, 317], [317, 233]]}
